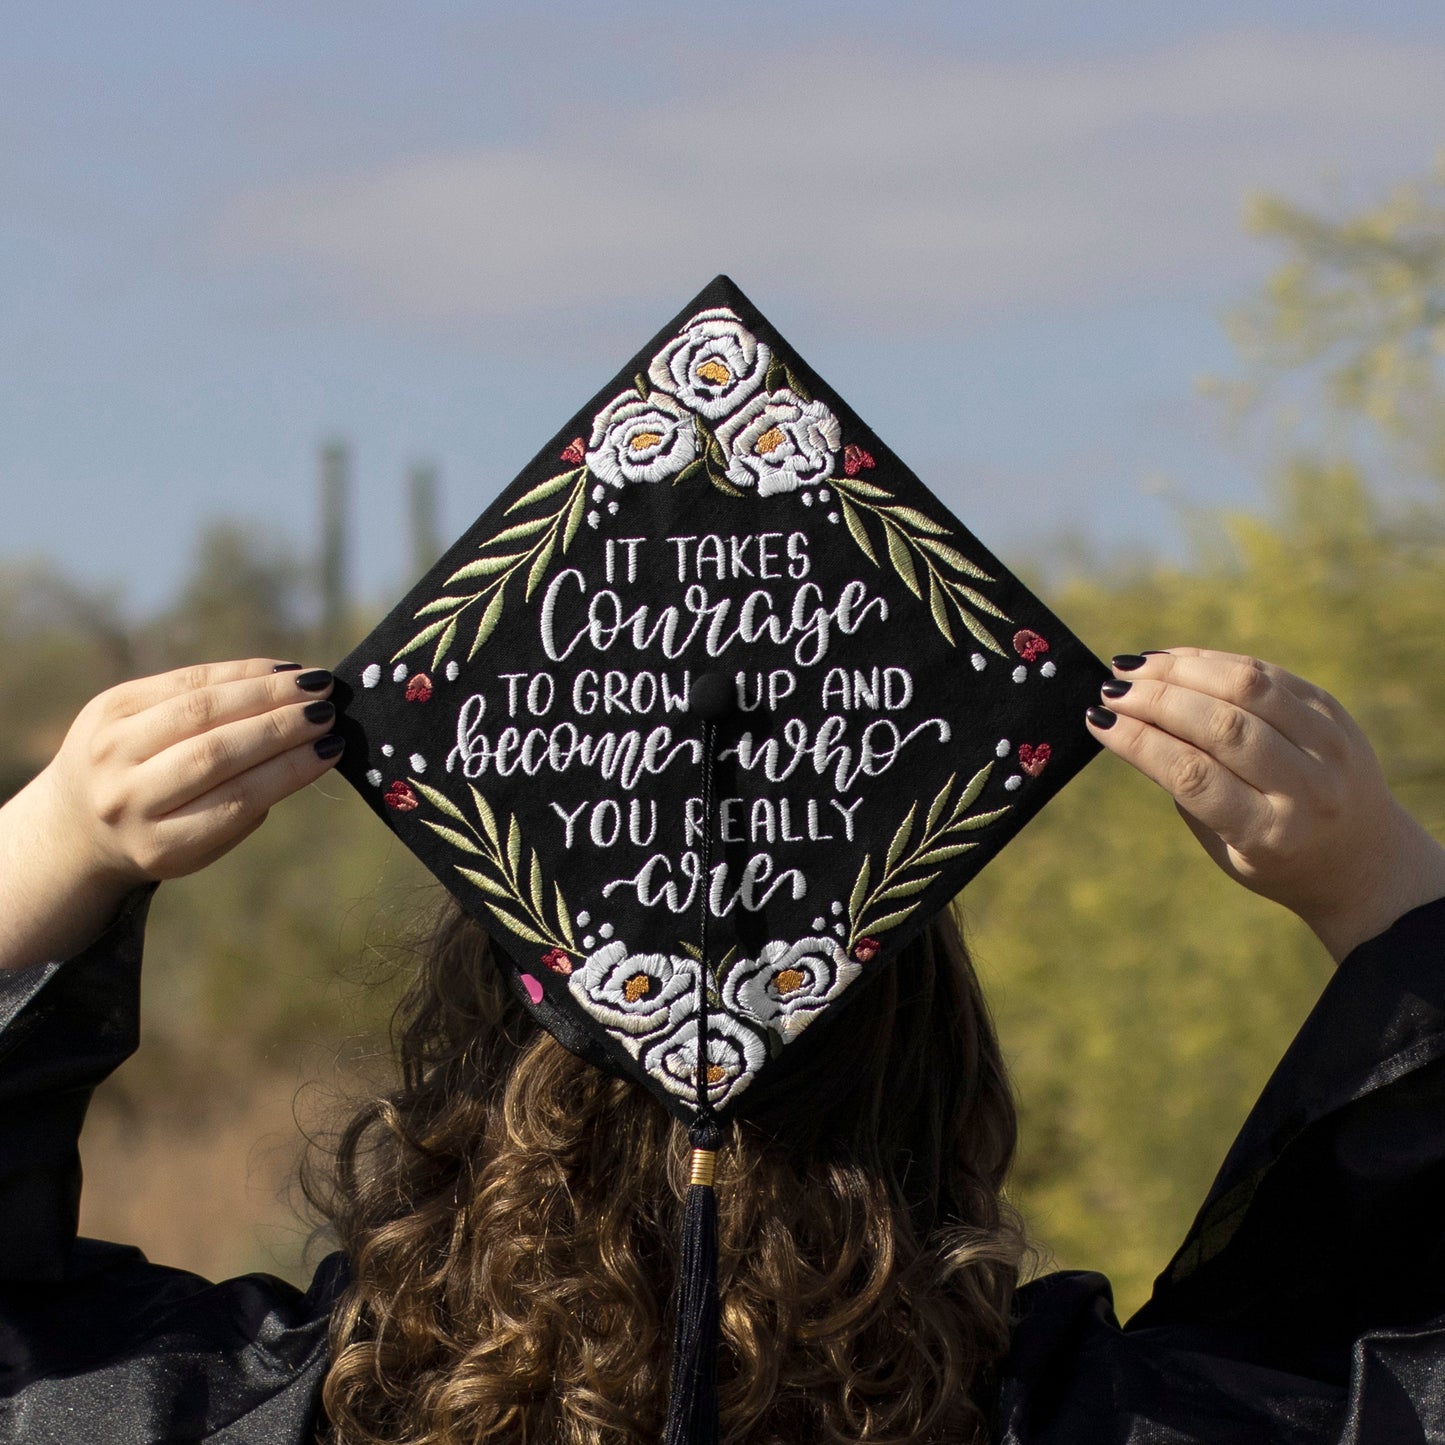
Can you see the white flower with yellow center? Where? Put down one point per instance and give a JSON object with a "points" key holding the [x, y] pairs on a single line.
{"points": [[640, 441], [713, 365], [779, 442], [634, 995], [734, 1055], [789, 984]]}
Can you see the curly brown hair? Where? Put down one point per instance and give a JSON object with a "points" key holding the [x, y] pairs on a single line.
{"points": [[511, 1215]]}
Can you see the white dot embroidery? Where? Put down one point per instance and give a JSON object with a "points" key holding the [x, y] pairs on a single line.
{"points": [[589, 941], [1002, 749], [398, 673], [1047, 670], [605, 930], [418, 763], [819, 924], [807, 499], [612, 509], [372, 675], [824, 495], [583, 919], [834, 518], [592, 520], [1020, 673], [979, 661], [598, 492], [837, 908], [374, 778], [1014, 783], [839, 929], [453, 671], [387, 750]]}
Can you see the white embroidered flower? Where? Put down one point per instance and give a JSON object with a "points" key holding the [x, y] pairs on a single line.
{"points": [[789, 984], [634, 995], [713, 366], [640, 441], [779, 442], [734, 1055]]}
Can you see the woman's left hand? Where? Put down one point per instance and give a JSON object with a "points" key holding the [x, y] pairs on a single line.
{"points": [[1277, 782]]}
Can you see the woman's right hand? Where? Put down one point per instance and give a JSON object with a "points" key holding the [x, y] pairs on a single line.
{"points": [[155, 779]]}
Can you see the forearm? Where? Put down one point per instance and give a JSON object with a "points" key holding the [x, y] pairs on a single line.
{"points": [[53, 900]]}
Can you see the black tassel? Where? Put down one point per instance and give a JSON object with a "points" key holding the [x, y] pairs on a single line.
{"points": [[692, 1404]]}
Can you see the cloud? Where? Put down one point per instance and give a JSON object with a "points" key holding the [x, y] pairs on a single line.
{"points": [[909, 193]]}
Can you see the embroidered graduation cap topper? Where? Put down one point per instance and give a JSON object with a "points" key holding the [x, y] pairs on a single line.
{"points": [[711, 710]]}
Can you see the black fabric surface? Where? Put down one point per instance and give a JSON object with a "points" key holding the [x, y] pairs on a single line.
{"points": [[1306, 1305]]}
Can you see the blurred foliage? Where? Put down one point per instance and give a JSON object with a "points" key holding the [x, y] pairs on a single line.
{"points": [[1143, 999]]}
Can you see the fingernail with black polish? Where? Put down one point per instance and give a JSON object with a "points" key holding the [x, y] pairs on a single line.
{"points": [[314, 681], [287, 667], [1128, 661], [1115, 687], [329, 746], [1155, 652], [319, 712], [1101, 717]]}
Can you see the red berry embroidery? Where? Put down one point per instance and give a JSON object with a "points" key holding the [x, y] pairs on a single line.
{"points": [[1029, 645], [557, 961], [1033, 759], [418, 688], [855, 460], [865, 948], [401, 797], [575, 451]]}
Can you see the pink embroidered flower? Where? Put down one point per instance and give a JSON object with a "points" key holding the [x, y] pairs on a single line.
{"points": [[418, 688], [1033, 759], [401, 797], [534, 989], [574, 451], [1029, 645], [558, 961], [855, 460], [865, 949]]}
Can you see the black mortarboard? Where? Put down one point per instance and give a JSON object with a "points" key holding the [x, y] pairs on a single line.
{"points": [[706, 716]]}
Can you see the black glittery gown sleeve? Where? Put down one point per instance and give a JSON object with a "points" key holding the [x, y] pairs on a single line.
{"points": [[1307, 1304], [96, 1343]]}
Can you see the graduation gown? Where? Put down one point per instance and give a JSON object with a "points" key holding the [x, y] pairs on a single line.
{"points": [[1306, 1305]]}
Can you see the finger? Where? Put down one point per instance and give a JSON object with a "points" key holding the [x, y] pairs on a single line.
{"points": [[195, 713], [1245, 743], [1296, 709], [143, 692], [207, 826], [1200, 784], [196, 765]]}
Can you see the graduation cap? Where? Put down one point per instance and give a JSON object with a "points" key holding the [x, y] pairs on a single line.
{"points": [[704, 718]]}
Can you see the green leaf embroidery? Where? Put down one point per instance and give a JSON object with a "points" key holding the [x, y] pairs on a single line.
{"points": [[860, 888], [457, 840], [444, 643], [536, 884], [440, 802], [487, 885], [574, 517], [940, 802], [488, 818], [918, 521], [543, 490], [488, 624], [564, 917], [484, 567], [518, 530], [900, 839], [901, 558], [539, 566], [510, 920], [424, 636], [856, 527]]}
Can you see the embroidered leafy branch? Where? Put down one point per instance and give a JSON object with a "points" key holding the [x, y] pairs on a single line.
{"points": [[521, 890], [921, 558], [529, 544], [907, 871]]}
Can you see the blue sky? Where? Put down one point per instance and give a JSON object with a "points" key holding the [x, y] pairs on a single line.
{"points": [[1006, 234]]}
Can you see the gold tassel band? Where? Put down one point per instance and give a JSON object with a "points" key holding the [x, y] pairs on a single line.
{"points": [[704, 1166]]}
